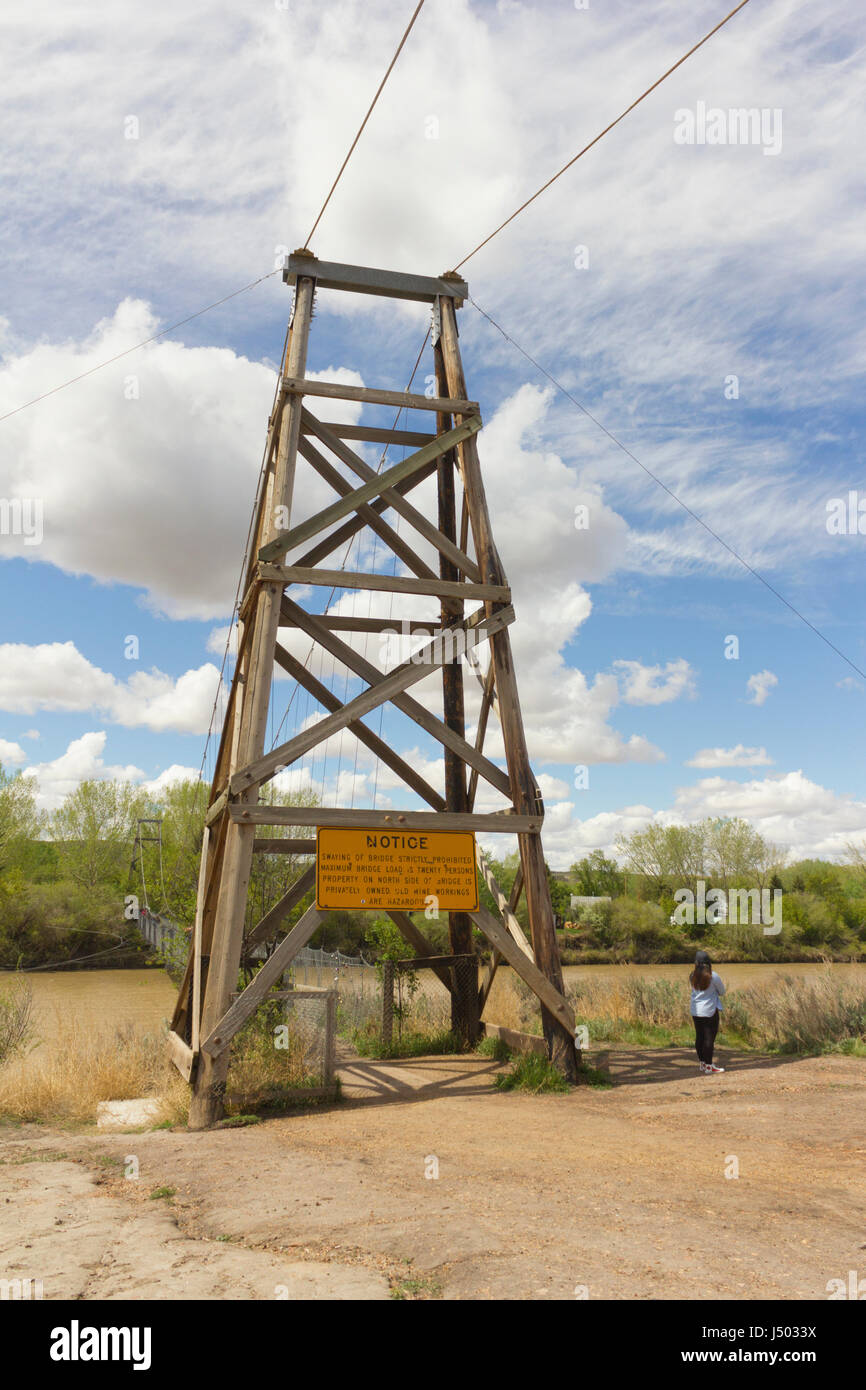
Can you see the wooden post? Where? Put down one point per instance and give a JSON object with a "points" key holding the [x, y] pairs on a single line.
{"points": [[560, 1043], [465, 1016], [330, 1037], [206, 1106]]}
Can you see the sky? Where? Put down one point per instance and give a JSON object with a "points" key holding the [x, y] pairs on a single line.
{"points": [[694, 282]]}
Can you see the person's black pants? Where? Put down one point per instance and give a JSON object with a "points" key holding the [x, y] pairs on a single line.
{"points": [[705, 1036]]}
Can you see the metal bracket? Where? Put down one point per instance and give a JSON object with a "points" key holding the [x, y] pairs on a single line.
{"points": [[436, 321]]}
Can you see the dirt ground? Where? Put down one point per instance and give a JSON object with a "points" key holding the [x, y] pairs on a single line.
{"points": [[617, 1194]]}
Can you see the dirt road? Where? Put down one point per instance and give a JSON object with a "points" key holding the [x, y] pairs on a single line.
{"points": [[628, 1193]]}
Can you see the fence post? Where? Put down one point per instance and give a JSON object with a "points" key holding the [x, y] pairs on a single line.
{"points": [[330, 1036]]}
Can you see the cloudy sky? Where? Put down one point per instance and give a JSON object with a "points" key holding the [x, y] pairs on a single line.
{"points": [[701, 297]]}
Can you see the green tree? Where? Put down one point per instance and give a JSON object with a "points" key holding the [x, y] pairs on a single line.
{"points": [[597, 877], [20, 822], [94, 829]]}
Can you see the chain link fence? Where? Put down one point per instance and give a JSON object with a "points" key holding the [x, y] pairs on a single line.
{"points": [[286, 1051]]}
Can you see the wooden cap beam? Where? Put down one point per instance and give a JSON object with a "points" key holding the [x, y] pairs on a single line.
{"points": [[363, 279]]}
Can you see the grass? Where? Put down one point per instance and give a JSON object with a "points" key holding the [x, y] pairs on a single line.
{"points": [[417, 1287], [785, 1014], [160, 1193], [63, 1081], [497, 1048], [436, 1044], [534, 1074]]}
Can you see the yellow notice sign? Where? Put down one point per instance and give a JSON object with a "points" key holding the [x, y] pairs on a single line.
{"points": [[395, 869]]}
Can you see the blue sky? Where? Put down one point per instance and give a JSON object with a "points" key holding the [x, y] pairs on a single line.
{"points": [[645, 280]]}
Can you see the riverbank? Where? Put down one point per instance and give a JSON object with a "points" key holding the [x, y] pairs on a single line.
{"points": [[612, 1192]]}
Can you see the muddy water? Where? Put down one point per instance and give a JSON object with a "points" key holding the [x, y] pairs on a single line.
{"points": [[101, 999], [105, 999]]}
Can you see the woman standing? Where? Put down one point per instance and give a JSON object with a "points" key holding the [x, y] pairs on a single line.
{"points": [[707, 989]]}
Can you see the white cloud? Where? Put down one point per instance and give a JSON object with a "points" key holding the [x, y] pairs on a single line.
{"points": [[11, 753], [219, 636], [152, 491], [760, 685], [56, 676], [740, 756], [849, 683], [176, 773], [81, 762], [788, 809], [655, 685]]}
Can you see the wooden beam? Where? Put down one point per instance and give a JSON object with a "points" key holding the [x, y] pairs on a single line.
{"points": [[560, 1039], [272, 919], [495, 957], [518, 1042], [372, 435], [364, 735], [290, 540], [491, 822], [465, 1016], [216, 809], [410, 672], [285, 846], [196, 940], [365, 279], [248, 738], [336, 390], [335, 540], [276, 965], [481, 730], [182, 1055], [382, 583], [394, 497], [371, 518], [428, 962], [402, 627], [549, 996], [416, 938], [423, 717], [503, 904]]}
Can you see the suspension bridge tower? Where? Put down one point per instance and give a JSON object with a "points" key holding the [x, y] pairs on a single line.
{"points": [[395, 860]]}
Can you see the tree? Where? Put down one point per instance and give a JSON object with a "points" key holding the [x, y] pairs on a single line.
{"points": [[598, 877], [668, 856], [20, 822], [94, 829], [182, 806]]}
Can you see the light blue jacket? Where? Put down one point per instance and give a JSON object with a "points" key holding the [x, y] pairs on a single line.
{"points": [[706, 1001]]}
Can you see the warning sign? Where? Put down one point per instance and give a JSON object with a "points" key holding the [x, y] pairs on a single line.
{"points": [[398, 869]]}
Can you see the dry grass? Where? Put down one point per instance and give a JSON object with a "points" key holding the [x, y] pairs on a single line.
{"points": [[788, 1013], [74, 1069], [818, 1014]]}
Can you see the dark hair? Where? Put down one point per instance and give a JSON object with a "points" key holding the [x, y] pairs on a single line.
{"points": [[702, 975]]}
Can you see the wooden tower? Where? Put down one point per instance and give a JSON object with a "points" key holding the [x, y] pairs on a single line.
{"points": [[470, 590]]}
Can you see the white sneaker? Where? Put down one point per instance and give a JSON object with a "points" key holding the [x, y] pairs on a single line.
{"points": [[704, 1069], [713, 1068]]}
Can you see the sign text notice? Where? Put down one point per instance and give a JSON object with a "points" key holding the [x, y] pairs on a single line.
{"points": [[395, 869]]}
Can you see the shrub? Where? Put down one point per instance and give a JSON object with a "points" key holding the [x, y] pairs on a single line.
{"points": [[16, 1019]]}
